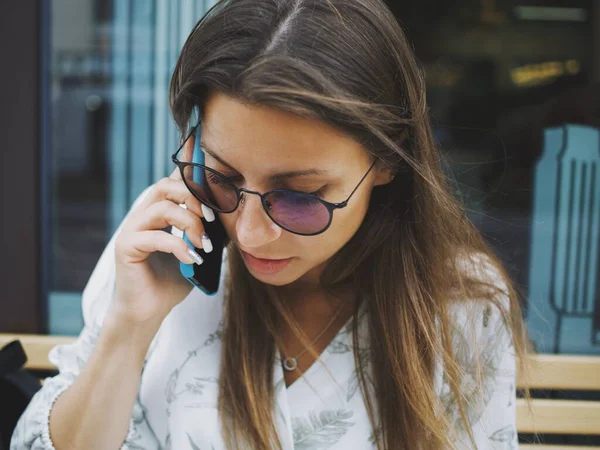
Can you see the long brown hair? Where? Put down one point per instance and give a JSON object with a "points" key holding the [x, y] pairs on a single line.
{"points": [[348, 63]]}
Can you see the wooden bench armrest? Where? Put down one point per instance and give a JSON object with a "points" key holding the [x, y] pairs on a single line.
{"points": [[37, 348]]}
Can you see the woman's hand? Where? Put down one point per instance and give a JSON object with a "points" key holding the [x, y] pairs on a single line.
{"points": [[148, 281]]}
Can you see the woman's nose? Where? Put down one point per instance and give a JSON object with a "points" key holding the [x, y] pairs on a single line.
{"points": [[254, 227]]}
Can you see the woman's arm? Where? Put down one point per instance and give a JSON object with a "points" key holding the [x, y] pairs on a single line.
{"points": [[95, 389], [94, 412], [92, 402]]}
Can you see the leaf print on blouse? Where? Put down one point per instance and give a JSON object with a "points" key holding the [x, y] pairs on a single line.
{"points": [[139, 421], [339, 346], [321, 431], [138, 417], [353, 382], [486, 315], [375, 436], [342, 342], [479, 361], [171, 384], [196, 388], [192, 443], [132, 446], [506, 437], [199, 384]]}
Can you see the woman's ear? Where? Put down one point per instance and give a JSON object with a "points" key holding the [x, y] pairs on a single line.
{"points": [[383, 175]]}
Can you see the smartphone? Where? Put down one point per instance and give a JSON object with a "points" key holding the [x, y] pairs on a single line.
{"points": [[206, 276]]}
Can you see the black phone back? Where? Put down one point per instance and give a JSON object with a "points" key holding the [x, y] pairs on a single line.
{"points": [[207, 276]]}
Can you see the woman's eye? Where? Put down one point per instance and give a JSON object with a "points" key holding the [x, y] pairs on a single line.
{"points": [[215, 179], [234, 178], [223, 178], [318, 193]]}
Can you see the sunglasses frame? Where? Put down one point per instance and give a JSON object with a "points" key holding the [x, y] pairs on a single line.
{"points": [[331, 207]]}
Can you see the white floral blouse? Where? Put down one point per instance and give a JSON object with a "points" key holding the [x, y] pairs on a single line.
{"points": [[176, 406]]}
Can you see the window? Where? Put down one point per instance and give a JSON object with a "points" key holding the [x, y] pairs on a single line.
{"points": [[110, 130], [514, 93]]}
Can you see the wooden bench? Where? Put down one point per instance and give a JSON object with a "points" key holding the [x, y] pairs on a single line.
{"points": [[540, 416], [37, 348], [568, 417]]}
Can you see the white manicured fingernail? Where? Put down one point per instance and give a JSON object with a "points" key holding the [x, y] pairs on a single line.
{"points": [[206, 243], [195, 256], [176, 232], [209, 215]]}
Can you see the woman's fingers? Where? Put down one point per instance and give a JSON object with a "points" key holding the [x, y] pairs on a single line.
{"points": [[164, 213], [143, 243], [206, 242], [170, 205], [174, 191], [207, 213]]}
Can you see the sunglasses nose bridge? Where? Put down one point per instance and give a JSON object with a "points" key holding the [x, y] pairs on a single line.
{"points": [[243, 191]]}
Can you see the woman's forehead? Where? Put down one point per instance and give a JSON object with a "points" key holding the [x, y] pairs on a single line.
{"points": [[233, 129]]}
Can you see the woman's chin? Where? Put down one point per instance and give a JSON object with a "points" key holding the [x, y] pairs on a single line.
{"points": [[275, 279]]}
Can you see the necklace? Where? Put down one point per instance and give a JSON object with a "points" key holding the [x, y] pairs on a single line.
{"points": [[290, 363]]}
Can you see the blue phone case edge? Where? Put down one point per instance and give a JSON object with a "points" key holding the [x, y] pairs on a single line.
{"points": [[187, 270]]}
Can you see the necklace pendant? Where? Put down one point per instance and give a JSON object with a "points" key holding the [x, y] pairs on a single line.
{"points": [[290, 363]]}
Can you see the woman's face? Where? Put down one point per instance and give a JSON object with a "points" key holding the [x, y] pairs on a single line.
{"points": [[261, 147]]}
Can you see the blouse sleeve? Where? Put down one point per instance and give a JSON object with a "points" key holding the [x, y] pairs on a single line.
{"points": [[32, 430], [484, 350], [496, 428]]}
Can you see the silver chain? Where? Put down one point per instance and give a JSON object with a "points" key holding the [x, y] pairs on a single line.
{"points": [[291, 362]]}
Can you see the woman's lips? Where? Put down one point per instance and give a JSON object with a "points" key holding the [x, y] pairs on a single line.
{"points": [[266, 266]]}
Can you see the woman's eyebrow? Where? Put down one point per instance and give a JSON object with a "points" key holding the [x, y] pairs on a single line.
{"points": [[275, 177]]}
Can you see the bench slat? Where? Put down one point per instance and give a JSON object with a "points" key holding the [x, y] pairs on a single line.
{"points": [[545, 372], [37, 348], [558, 416], [562, 372]]}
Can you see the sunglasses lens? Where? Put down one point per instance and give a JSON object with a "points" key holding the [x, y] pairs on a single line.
{"points": [[295, 211], [300, 213], [212, 189]]}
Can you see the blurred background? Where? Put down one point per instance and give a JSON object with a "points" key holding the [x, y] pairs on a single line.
{"points": [[514, 91]]}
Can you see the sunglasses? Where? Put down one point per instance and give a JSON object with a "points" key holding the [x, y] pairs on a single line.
{"points": [[297, 212]]}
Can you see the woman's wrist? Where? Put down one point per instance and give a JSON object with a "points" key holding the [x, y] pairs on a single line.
{"points": [[136, 336]]}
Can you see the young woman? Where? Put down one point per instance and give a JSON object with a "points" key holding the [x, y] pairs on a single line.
{"points": [[383, 321]]}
